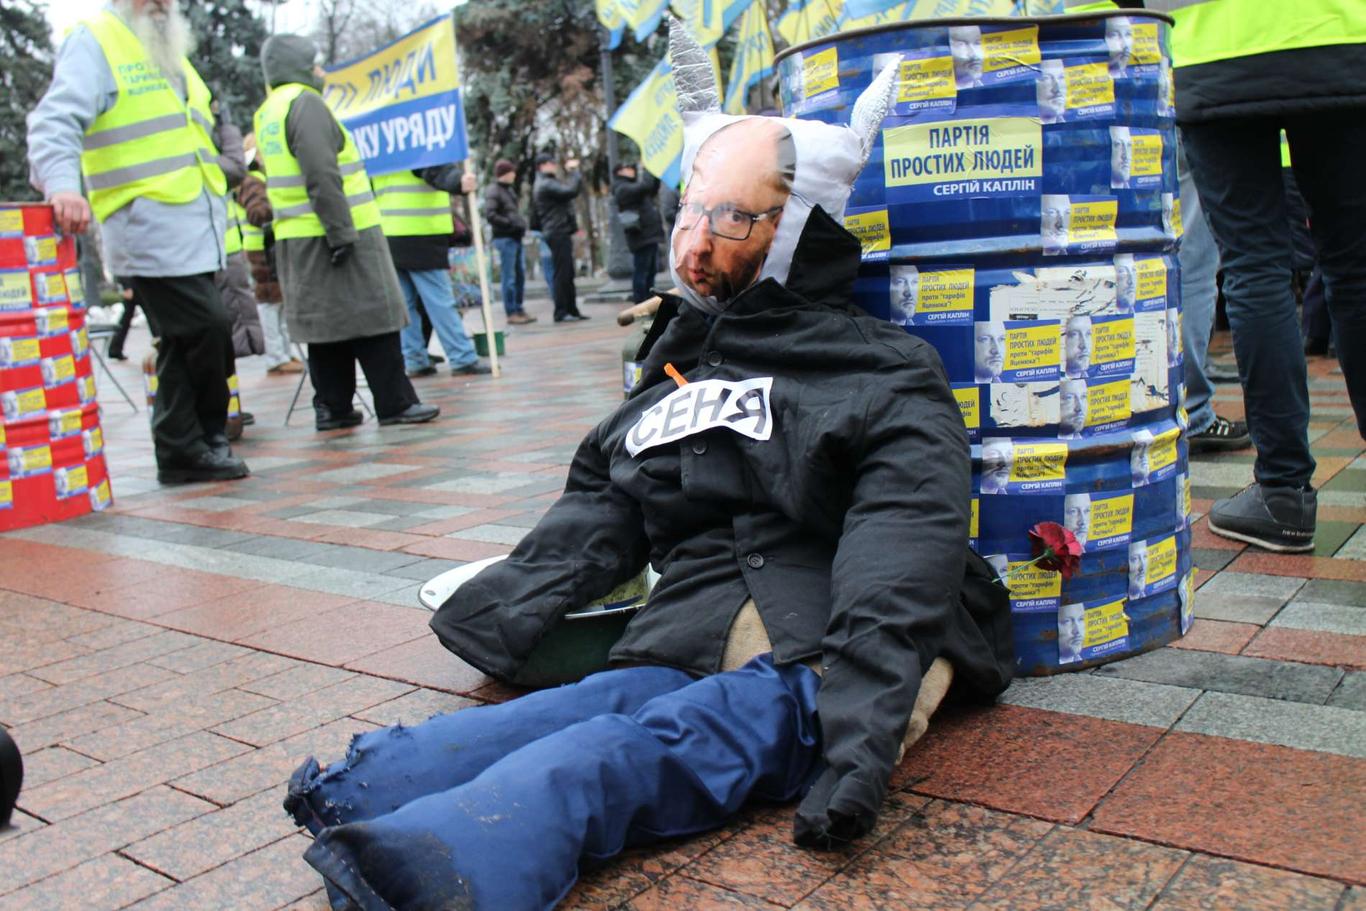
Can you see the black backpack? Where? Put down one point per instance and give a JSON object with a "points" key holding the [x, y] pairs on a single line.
{"points": [[11, 777]]}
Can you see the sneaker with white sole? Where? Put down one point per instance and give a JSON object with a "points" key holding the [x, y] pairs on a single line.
{"points": [[1281, 519], [1221, 436]]}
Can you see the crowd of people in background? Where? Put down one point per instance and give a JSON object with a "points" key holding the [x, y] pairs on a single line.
{"points": [[240, 246]]}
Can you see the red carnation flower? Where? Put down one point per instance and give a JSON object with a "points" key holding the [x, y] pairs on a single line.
{"points": [[1055, 548]]}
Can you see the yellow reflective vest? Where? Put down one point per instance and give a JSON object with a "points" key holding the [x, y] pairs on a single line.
{"points": [[294, 215], [150, 143], [253, 238], [237, 220], [411, 207]]}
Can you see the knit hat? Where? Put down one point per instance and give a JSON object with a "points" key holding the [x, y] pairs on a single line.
{"points": [[503, 166]]}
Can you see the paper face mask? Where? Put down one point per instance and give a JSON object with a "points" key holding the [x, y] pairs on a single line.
{"points": [[750, 183]]}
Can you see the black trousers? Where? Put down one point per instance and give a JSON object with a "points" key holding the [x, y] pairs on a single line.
{"points": [[562, 256], [644, 263], [194, 361], [332, 367]]}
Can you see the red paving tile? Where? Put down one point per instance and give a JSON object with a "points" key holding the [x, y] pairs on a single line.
{"points": [[1309, 647], [1217, 636], [1213, 884], [1045, 764], [372, 538], [678, 892], [1255, 561], [239, 615], [425, 662], [106, 882], [746, 862], [943, 856], [608, 885], [1201, 536], [344, 633], [1270, 805], [171, 589], [1070, 868]]}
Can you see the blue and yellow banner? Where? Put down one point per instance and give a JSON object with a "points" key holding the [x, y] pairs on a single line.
{"points": [[753, 58], [708, 20], [610, 17], [642, 16], [402, 102], [650, 117]]}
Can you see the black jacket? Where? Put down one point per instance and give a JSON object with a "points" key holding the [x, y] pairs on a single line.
{"points": [[554, 202], [425, 252], [500, 209], [848, 526], [1309, 80], [639, 196]]}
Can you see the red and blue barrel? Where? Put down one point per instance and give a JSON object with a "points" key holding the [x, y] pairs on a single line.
{"points": [[1020, 213], [51, 445]]}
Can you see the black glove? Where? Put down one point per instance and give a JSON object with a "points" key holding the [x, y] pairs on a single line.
{"points": [[826, 821], [341, 254]]}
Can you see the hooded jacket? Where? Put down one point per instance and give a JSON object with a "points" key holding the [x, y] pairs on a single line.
{"points": [[325, 303], [848, 525]]}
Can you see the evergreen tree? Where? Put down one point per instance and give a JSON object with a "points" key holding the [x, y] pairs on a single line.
{"points": [[228, 38], [25, 71]]}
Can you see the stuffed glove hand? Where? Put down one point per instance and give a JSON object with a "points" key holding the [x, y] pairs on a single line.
{"points": [[863, 705], [828, 819]]}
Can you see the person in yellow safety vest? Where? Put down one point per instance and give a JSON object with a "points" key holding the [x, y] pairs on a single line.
{"points": [[341, 292], [258, 242], [415, 210], [1245, 70], [128, 116]]}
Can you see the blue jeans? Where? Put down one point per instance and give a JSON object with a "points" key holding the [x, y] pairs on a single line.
{"points": [[1199, 259], [495, 806], [512, 273], [547, 263], [1237, 167], [434, 288]]}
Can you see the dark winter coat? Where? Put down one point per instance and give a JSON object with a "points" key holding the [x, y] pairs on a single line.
{"points": [[251, 196], [848, 526], [554, 202], [639, 196], [502, 212]]}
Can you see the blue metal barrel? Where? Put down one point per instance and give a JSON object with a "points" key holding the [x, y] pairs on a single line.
{"points": [[1020, 213]]}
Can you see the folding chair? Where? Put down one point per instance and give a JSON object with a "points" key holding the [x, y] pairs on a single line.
{"points": [[105, 331]]}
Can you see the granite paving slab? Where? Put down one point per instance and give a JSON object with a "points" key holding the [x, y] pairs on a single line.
{"points": [[1292, 724], [1228, 674]]}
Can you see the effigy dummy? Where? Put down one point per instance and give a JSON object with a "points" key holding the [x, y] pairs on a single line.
{"points": [[797, 473]]}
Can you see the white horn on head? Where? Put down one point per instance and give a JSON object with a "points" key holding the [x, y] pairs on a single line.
{"points": [[873, 104], [694, 78]]}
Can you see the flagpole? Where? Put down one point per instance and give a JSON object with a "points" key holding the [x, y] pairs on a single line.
{"points": [[480, 260], [609, 95]]}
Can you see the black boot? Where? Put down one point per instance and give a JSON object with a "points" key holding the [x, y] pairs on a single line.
{"points": [[210, 465]]}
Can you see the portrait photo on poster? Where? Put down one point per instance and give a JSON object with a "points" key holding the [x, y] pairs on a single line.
{"points": [[1050, 91], [905, 294], [1071, 632]]}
